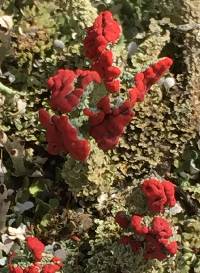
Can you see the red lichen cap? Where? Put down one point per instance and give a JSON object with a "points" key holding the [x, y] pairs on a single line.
{"points": [[154, 192], [78, 148], [169, 189], [113, 86], [85, 77], [159, 193], [144, 80], [122, 219], [108, 72], [110, 28], [107, 125], [57, 260], [153, 249], [55, 144], [67, 88], [136, 223], [15, 269], [105, 30], [125, 240], [62, 136], [35, 246], [161, 228], [32, 269], [135, 245], [172, 247], [50, 268]]}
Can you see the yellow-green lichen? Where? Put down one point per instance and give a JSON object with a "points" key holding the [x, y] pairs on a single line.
{"points": [[163, 125], [92, 178]]}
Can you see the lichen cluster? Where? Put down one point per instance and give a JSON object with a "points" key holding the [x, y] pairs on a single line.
{"points": [[45, 38], [152, 140], [90, 179], [190, 245], [81, 15], [81, 199]]}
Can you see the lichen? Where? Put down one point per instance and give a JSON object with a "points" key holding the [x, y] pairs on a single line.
{"points": [[117, 258], [82, 15], [152, 144], [189, 257], [152, 139], [92, 178], [148, 51]]}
